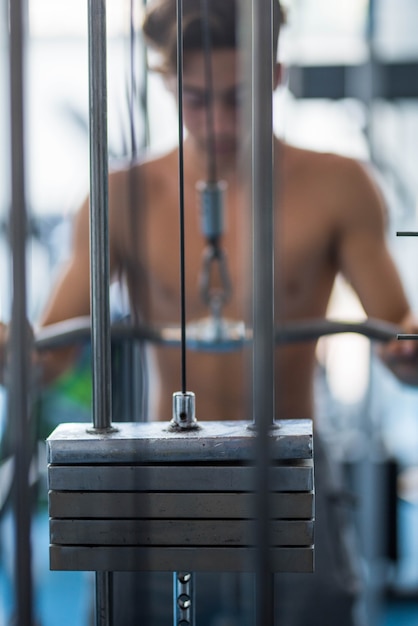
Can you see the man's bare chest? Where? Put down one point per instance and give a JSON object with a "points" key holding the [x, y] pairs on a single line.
{"points": [[303, 261]]}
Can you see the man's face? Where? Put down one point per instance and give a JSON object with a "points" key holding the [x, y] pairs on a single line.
{"points": [[225, 99]]}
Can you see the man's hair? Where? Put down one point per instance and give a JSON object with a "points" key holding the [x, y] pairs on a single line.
{"points": [[160, 27]]}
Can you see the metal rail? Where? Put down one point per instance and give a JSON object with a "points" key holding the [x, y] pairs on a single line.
{"points": [[263, 362], [99, 256], [99, 235], [19, 347], [78, 330]]}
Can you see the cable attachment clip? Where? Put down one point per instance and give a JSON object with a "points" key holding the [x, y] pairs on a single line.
{"points": [[215, 297], [212, 223], [184, 411], [212, 214]]}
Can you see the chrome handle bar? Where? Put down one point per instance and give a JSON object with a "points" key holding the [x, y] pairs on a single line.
{"points": [[202, 335]]}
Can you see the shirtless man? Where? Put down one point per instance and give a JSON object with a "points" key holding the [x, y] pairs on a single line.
{"points": [[330, 218]]}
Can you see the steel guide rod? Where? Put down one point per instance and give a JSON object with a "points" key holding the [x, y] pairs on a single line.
{"points": [[99, 254], [263, 380], [104, 596], [262, 216], [99, 228], [19, 347]]}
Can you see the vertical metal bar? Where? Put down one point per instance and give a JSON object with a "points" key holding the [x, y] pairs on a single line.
{"points": [[263, 222], [19, 352], [179, 22], [184, 606], [99, 255], [104, 594], [263, 292], [99, 228]]}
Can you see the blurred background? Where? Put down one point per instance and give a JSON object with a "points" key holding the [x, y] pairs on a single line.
{"points": [[351, 86]]}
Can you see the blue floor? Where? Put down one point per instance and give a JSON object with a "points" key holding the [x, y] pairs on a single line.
{"points": [[401, 613], [64, 594]]}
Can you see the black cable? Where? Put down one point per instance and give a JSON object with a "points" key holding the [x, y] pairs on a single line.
{"points": [[136, 148], [137, 88], [143, 92], [212, 175], [181, 191]]}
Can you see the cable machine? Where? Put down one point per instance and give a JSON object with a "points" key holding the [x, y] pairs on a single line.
{"points": [[177, 496]]}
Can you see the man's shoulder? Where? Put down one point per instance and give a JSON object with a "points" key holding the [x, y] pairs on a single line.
{"points": [[346, 184], [322, 162], [160, 163], [344, 176], [152, 168]]}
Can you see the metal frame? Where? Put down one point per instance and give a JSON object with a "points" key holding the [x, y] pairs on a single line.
{"points": [[99, 256], [99, 220], [395, 81], [19, 346], [263, 312]]}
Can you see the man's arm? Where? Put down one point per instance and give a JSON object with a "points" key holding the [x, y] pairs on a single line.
{"points": [[70, 297], [365, 260]]}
